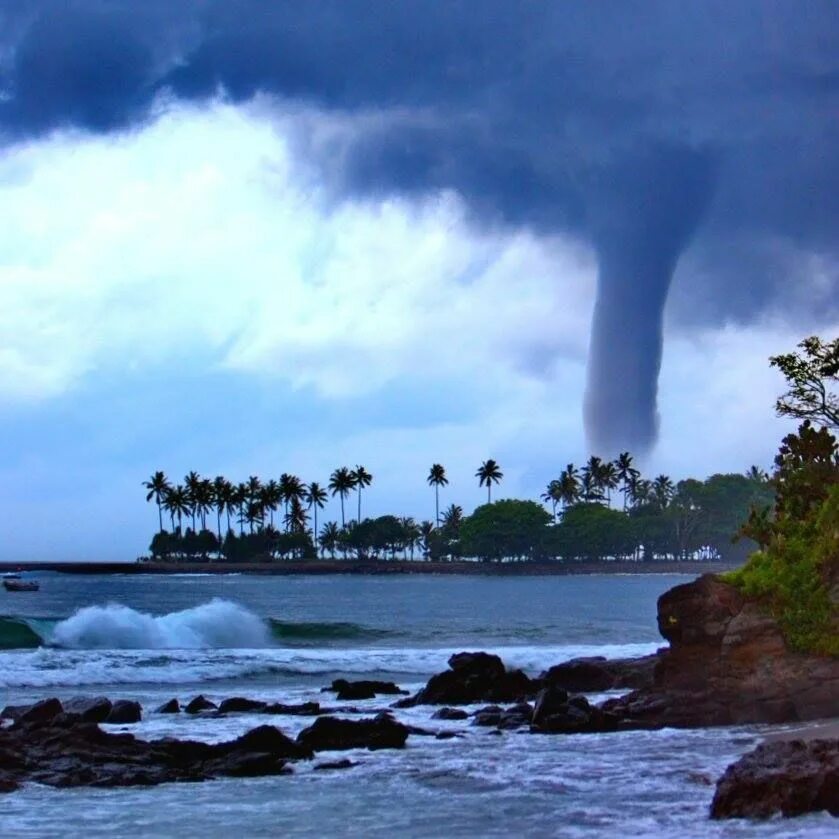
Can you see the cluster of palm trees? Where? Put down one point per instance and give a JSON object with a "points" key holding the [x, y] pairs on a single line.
{"points": [[596, 481], [252, 503]]}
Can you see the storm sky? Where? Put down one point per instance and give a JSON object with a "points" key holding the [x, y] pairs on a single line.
{"points": [[253, 237]]}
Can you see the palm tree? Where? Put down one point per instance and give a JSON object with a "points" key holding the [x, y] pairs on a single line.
{"points": [[437, 478], [489, 473], [328, 537], [452, 518], [553, 494], [271, 497], [316, 499], [627, 474], [223, 502], [157, 487], [410, 534], [569, 485], [753, 473], [426, 532], [240, 502], [591, 479], [341, 483], [663, 490], [608, 479], [191, 482], [642, 492], [202, 500], [296, 519], [177, 503], [361, 478]]}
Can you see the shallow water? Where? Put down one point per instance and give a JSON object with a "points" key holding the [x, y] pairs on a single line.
{"points": [[282, 639]]}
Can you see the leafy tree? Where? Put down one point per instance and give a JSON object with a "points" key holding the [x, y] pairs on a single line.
{"points": [[437, 478], [489, 473], [505, 529], [157, 487], [812, 379]]}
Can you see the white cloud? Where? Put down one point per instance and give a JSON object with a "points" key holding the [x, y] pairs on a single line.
{"points": [[199, 234]]}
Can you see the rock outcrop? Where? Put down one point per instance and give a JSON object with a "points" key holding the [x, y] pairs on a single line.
{"points": [[63, 751], [474, 677], [727, 664], [590, 675], [332, 733], [789, 778], [364, 689]]}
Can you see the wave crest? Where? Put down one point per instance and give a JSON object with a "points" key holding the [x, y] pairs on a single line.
{"points": [[218, 624]]}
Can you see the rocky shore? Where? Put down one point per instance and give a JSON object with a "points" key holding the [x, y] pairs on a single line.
{"points": [[726, 664]]}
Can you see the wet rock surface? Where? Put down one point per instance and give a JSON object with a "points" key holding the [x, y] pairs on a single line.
{"points": [[596, 673], [332, 733], [62, 750], [363, 689], [474, 677], [199, 705], [789, 778]]}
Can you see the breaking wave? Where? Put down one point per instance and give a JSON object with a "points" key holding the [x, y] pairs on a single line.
{"points": [[219, 624]]}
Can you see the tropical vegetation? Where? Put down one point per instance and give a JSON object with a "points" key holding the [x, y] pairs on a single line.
{"points": [[796, 571]]}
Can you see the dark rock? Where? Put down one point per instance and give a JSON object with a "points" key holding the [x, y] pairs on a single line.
{"points": [[364, 689], [549, 701], [89, 709], [39, 713], [447, 735], [170, 707], [240, 705], [332, 733], [85, 755], [491, 715], [786, 777], [556, 713], [505, 718], [124, 712], [305, 709], [270, 740], [598, 674], [12, 712], [450, 714], [199, 704], [474, 677], [335, 764]]}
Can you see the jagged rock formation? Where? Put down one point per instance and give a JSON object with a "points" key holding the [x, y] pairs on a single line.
{"points": [[727, 664]]}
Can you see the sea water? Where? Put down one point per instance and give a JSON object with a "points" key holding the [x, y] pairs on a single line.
{"points": [[283, 638]]}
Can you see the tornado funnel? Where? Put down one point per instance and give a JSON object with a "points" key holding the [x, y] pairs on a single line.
{"points": [[643, 214]]}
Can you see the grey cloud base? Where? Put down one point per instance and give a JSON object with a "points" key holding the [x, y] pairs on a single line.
{"points": [[642, 127]]}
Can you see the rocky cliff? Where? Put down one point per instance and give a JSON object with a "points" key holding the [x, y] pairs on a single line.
{"points": [[727, 663]]}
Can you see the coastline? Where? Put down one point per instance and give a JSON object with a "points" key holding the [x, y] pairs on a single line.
{"points": [[377, 567]]}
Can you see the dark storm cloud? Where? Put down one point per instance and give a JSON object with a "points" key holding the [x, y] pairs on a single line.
{"points": [[646, 127]]}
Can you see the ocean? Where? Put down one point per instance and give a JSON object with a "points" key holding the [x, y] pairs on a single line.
{"points": [[282, 639]]}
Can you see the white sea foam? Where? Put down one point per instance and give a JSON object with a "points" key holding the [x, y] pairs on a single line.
{"points": [[47, 667], [217, 624]]}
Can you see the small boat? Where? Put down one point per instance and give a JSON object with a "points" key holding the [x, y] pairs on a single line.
{"points": [[20, 585]]}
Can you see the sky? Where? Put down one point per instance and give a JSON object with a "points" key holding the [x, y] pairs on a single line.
{"points": [[248, 238]]}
